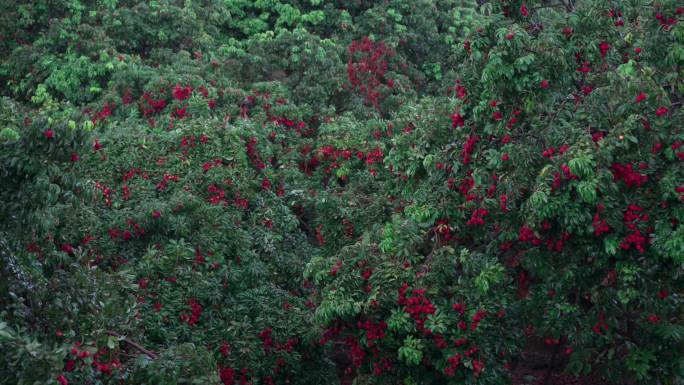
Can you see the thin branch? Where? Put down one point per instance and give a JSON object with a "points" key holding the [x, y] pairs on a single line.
{"points": [[549, 6], [136, 345], [551, 365], [569, 5]]}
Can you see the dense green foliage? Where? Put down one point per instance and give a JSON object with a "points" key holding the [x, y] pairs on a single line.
{"points": [[309, 191]]}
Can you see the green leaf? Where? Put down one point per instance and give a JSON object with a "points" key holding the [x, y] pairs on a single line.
{"points": [[587, 191], [411, 352], [112, 342], [610, 244]]}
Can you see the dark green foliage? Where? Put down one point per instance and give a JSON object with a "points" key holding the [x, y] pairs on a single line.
{"points": [[307, 192]]}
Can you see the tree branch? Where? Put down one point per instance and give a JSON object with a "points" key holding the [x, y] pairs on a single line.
{"points": [[136, 345]]}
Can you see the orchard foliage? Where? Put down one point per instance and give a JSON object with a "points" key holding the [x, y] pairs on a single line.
{"points": [[306, 192]]}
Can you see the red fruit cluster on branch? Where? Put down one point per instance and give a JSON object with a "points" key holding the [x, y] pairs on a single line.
{"points": [[333, 271], [374, 156], [227, 376], [155, 105], [319, 235], [253, 153], [478, 367], [330, 333], [680, 190], [599, 224], [526, 234], [374, 331], [216, 194], [181, 93], [662, 110], [367, 67], [523, 10], [106, 112], [631, 218], [266, 339], [106, 193], [477, 318], [604, 47], [356, 352], [417, 306], [600, 327], [667, 22], [477, 218], [627, 174], [385, 364], [461, 92], [453, 362], [195, 313], [468, 148], [161, 186], [456, 120], [467, 183], [444, 230]]}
